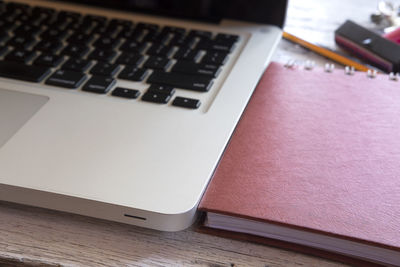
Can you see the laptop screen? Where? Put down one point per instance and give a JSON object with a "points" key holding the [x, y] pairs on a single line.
{"points": [[260, 11]]}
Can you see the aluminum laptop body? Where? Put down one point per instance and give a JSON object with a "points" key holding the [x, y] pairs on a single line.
{"points": [[121, 159]]}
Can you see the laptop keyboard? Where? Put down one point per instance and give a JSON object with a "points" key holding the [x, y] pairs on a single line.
{"points": [[90, 53]]}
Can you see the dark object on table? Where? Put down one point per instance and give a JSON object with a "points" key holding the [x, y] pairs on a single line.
{"points": [[369, 46]]}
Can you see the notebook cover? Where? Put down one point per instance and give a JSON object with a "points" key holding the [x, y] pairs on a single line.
{"points": [[316, 151]]}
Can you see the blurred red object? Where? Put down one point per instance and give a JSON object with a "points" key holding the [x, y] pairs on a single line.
{"points": [[393, 36]]}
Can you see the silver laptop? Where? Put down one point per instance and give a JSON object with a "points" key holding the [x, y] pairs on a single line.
{"points": [[120, 110]]}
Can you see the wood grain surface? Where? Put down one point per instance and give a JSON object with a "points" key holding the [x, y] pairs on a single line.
{"points": [[37, 237]]}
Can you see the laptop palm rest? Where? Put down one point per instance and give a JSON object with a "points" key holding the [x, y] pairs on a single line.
{"points": [[16, 108]]}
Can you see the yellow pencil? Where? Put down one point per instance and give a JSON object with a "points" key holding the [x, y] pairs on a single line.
{"points": [[325, 52]]}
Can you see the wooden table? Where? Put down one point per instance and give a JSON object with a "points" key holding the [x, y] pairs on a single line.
{"points": [[37, 237]]}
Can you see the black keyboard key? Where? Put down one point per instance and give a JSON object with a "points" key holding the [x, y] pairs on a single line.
{"points": [[77, 64], [182, 40], [124, 29], [121, 23], [214, 57], [17, 7], [99, 84], [102, 55], [3, 36], [95, 29], [186, 53], [201, 35], [156, 37], [81, 27], [3, 50], [49, 60], [61, 25], [226, 46], [75, 50], [49, 46], [105, 69], [16, 16], [147, 26], [20, 55], [6, 25], [105, 31], [130, 59], [22, 42], [7, 12], [25, 18], [54, 34], [159, 98], [19, 71], [149, 36], [68, 15], [190, 39], [27, 30], [160, 50], [44, 20], [66, 78], [94, 22], [94, 18], [126, 33], [9, 16], [80, 38], [98, 28], [173, 30], [126, 93], [160, 63], [133, 73], [43, 10], [106, 43], [133, 46], [179, 80], [130, 34], [226, 38], [164, 89], [196, 68], [186, 102]]}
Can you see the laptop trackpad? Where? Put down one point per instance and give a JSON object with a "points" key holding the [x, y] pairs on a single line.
{"points": [[16, 108]]}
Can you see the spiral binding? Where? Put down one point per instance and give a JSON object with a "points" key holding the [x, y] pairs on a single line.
{"points": [[329, 67], [393, 76], [372, 73], [349, 70]]}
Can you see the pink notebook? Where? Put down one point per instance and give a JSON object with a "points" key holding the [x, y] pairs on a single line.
{"points": [[314, 163]]}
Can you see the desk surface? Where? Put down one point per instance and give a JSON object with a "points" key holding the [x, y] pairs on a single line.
{"points": [[37, 237]]}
